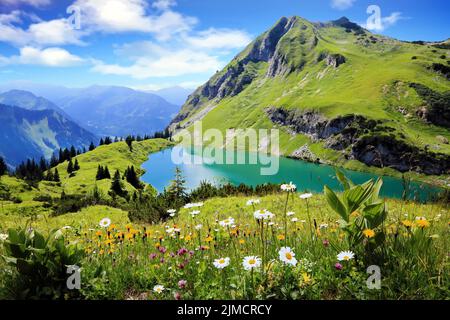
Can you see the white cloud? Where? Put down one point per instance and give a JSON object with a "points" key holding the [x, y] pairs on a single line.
{"points": [[53, 32], [132, 15], [384, 22], [163, 4], [168, 64], [342, 4], [34, 3], [51, 57], [219, 39], [189, 54]]}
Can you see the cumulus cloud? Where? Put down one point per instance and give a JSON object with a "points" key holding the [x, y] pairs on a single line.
{"points": [[342, 4], [133, 15], [51, 57], [190, 54], [39, 32]]}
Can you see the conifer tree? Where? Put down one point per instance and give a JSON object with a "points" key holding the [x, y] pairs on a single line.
{"points": [[76, 166], [3, 167], [56, 176], [91, 146], [70, 167]]}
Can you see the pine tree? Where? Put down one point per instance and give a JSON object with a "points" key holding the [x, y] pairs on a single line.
{"points": [[91, 146], [177, 188], [70, 167], [76, 166], [49, 176], [106, 173], [56, 176], [132, 178], [129, 141], [117, 188], [73, 152], [101, 142], [3, 167], [53, 161], [100, 173]]}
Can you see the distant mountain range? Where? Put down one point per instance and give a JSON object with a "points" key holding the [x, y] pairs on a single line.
{"points": [[76, 117], [35, 133], [118, 111]]}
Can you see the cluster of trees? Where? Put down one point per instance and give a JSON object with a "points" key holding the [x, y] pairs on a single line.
{"points": [[72, 167], [102, 173]]}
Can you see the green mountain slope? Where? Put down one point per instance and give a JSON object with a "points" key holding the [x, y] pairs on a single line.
{"points": [[27, 134], [347, 96]]}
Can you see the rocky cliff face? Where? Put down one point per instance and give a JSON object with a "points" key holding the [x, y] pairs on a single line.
{"points": [[270, 48], [359, 138]]}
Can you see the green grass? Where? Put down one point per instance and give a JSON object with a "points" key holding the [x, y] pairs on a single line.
{"points": [[416, 265]]}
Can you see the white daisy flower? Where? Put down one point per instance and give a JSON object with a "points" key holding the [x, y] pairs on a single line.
{"points": [[263, 214], [221, 263], [194, 213], [305, 195], [170, 230], [251, 262], [193, 205], [294, 219], [227, 222], [289, 187], [323, 226], [3, 237], [287, 256], [253, 202], [105, 222], [171, 211], [290, 213], [345, 255], [198, 227], [158, 288]]}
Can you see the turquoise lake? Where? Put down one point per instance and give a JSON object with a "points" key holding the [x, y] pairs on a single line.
{"points": [[307, 176]]}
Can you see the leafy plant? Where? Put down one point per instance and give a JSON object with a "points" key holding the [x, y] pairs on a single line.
{"points": [[361, 210], [39, 264]]}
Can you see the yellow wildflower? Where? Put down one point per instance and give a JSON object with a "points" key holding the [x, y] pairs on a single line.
{"points": [[369, 233], [209, 239], [407, 223], [306, 278], [241, 241], [422, 223], [281, 237]]}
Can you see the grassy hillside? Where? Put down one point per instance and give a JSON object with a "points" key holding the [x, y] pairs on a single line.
{"points": [[374, 82], [27, 201]]}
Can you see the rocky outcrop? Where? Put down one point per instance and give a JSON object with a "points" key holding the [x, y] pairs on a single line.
{"points": [[437, 110], [386, 151], [304, 153], [335, 60], [361, 139]]}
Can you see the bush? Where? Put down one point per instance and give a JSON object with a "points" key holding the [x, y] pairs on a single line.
{"points": [[39, 265]]}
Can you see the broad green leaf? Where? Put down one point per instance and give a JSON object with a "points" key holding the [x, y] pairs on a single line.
{"points": [[335, 203]]}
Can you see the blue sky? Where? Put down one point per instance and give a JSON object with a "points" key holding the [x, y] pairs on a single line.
{"points": [[162, 43]]}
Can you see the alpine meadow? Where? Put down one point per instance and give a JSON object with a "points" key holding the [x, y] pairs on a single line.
{"points": [[108, 193]]}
